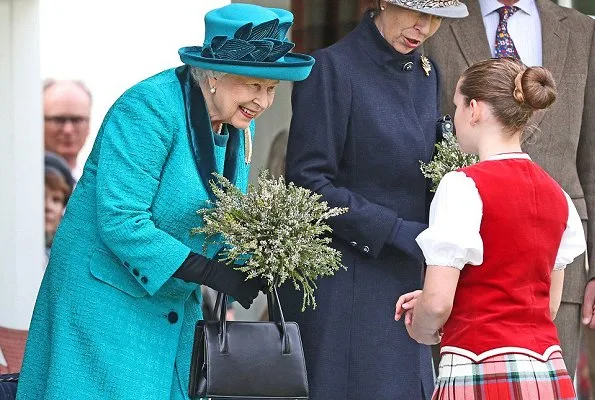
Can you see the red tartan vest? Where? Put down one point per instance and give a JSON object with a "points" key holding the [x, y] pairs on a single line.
{"points": [[504, 302]]}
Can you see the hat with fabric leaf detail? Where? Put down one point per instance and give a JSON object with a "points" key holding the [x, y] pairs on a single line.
{"points": [[249, 40]]}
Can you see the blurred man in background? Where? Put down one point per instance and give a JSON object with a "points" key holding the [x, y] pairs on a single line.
{"points": [[67, 109]]}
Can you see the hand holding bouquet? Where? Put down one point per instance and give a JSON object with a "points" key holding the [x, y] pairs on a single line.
{"points": [[279, 231]]}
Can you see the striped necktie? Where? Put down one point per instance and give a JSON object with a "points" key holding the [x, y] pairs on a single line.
{"points": [[504, 44]]}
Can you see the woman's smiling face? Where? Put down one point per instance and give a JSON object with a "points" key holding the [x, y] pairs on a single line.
{"points": [[239, 99]]}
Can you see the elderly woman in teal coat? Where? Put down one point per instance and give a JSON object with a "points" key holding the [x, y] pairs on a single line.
{"points": [[117, 307]]}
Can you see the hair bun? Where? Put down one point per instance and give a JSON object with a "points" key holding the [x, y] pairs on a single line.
{"points": [[535, 87]]}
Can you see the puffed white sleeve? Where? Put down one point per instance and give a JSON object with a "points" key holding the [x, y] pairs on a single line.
{"points": [[452, 238], [573, 242]]}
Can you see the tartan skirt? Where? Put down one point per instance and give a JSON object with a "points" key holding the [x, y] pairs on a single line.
{"points": [[503, 377]]}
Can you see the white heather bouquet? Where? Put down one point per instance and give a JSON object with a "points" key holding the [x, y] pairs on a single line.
{"points": [[278, 229], [448, 157]]}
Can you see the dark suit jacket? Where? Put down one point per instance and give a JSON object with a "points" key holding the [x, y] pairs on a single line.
{"points": [[565, 142]]}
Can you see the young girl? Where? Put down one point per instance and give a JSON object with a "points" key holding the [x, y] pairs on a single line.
{"points": [[501, 233]]}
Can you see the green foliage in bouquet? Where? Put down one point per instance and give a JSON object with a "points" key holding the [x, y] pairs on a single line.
{"points": [[279, 229], [448, 157]]}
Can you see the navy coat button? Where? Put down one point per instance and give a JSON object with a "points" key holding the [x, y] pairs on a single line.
{"points": [[366, 249], [144, 280], [172, 317], [408, 66], [353, 244], [135, 272]]}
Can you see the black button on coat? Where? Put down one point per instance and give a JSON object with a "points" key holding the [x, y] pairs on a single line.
{"points": [[172, 317]]}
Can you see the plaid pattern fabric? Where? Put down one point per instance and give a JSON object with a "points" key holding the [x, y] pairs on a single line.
{"points": [[503, 377], [504, 44]]}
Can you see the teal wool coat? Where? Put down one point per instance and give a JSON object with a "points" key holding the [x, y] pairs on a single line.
{"points": [[110, 321]]}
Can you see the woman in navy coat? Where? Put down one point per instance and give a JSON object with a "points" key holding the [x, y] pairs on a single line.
{"points": [[362, 122]]}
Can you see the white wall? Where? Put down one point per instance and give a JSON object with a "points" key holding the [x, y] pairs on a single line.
{"points": [[21, 151], [112, 44]]}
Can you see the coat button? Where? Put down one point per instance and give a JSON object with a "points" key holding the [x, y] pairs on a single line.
{"points": [[353, 244], [408, 66], [172, 317], [135, 272], [366, 249], [144, 280]]}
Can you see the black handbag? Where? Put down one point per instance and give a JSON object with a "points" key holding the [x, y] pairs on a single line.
{"points": [[248, 359]]}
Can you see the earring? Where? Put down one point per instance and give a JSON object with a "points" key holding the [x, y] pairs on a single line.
{"points": [[213, 90]]}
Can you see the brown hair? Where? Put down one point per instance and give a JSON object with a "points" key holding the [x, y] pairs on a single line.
{"points": [[57, 182], [512, 90]]}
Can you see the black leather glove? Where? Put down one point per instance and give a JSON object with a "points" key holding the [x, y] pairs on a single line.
{"points": [[403, 238], [221, 277]]}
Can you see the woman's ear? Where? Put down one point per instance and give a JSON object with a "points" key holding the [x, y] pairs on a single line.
{"points": [[476, 111], [212, 82]]}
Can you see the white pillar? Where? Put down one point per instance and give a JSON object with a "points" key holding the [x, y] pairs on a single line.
{"points": [[21, 169]]}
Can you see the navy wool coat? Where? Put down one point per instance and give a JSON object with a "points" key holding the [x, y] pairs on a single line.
{"points": [[361, 123]]}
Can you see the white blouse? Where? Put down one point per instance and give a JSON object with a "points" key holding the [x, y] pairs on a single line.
{"points": [[452, 238]]}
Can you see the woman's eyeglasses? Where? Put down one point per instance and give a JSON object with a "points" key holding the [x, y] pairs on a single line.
{"points": [[62, 120]]}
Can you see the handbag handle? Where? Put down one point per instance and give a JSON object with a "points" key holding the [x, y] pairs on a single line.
{"points": [[271, 309], [275, 315]]}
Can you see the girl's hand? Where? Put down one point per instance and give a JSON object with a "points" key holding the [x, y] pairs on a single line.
{"points": [[406, 303], [423, 339]]}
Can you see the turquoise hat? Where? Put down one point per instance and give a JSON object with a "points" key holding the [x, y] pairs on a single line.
{"points": [[249, 40]]}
